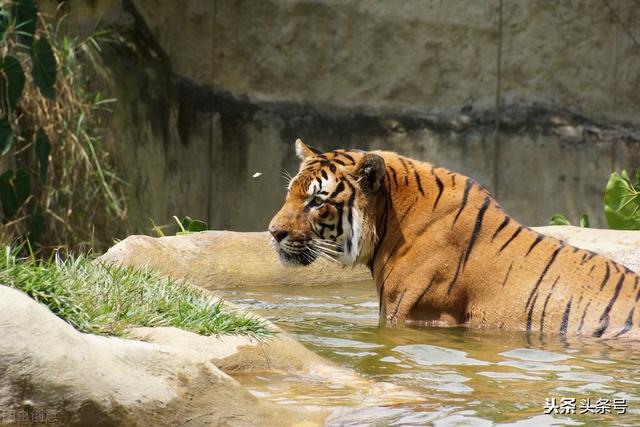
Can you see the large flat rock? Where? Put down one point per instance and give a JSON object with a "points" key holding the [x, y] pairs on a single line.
{"points": [[222, 259], [48, 369]]}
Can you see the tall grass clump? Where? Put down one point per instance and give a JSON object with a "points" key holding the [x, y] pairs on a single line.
{"points": [[107, 299], [58, 188]]}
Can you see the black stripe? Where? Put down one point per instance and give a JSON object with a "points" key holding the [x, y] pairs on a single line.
{"points": [[546, 301], [395, 177], [353, 162], [324, 174], [477, 228], [350, 202], [635, 283], [583, 314], [603, 327], [584, 256], [433, 279], [533, 245], [385, 214], [501, 226], [591, 255], [591, 270], [339, 189], [400, 239], [339, 207], [628, 324], [565, 318], [530, 315], [332, 168], [465, 197], [513, 236], [395, 312], [544, 272], [455, 277], [616, 293], [406, 170], [453, 181], [606, 277], [440, 189], [616, 267], [340, 162], [504, 282], [418, 182]]}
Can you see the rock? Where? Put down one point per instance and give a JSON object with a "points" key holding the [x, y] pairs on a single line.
{"points": [[222, 259], [281, 354], [48, 370], [620, 245]]}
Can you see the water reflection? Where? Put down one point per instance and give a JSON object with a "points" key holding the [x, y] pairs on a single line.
{"points": [[468, 377]]}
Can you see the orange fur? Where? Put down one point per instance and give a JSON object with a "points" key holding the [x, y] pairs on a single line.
{"points": [[442, 251]]}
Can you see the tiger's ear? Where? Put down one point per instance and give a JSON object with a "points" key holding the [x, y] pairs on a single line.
{"points": [[369, 172], [303, 151]]}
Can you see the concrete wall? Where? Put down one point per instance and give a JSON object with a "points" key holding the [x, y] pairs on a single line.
{"points": [[537, 100]]}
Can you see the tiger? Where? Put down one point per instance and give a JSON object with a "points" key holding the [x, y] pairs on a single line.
{"points": [[442, 251]]}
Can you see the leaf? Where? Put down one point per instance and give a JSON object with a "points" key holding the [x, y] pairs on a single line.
{"points": [[44, 67], [4, 22], [189, 225], [11, 83], [6, 136], [42, 148], [22, 185], [584, 221], [36, 225], [559, 219], [197, 226], [25, 14], [622, 203], [185, 223], [8, 197]]}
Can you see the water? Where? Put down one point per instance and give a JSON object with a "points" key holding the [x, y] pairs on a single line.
{"points": [[467, 377]]}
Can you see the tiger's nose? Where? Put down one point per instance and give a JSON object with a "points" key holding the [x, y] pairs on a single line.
{"points": [[278, 234]]}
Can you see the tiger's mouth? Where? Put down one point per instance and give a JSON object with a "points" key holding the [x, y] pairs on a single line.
{"points": [[295, 252]]}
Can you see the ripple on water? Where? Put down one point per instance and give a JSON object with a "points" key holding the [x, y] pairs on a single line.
{"points": [[425, 354], [534, 355], [543, 421], [538, 366], [584, 376], [509, 376], [459, 420], [337, 342]]}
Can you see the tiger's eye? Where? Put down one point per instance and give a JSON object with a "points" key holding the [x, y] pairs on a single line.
{"points": [[317, 201]]}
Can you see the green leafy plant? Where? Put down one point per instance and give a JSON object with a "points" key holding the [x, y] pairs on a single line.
{"points": [[560, 219], [185, 226], [57, 185], [622, 202]]}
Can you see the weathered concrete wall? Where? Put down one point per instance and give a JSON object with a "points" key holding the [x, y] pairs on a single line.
{"points": [[537, 100]]}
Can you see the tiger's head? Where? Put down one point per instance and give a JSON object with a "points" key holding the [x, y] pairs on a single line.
{"points": [[329, 210]]}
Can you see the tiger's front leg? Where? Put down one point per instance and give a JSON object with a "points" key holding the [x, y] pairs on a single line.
{"points": [[414, 303]]}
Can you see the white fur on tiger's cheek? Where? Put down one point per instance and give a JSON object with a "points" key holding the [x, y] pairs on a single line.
{"points": [[354, 233]]}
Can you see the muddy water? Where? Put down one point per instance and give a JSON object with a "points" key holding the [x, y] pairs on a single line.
{"points": [[467, 377]]}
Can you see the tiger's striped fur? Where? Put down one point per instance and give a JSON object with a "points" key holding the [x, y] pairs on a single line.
{"points": [[442, 251]]}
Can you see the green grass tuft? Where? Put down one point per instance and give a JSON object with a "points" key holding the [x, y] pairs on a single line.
{"points": [[107, 299]]}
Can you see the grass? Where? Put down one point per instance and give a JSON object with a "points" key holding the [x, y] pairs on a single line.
{"points": [[107, 300]]}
